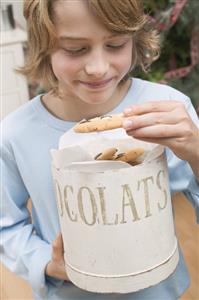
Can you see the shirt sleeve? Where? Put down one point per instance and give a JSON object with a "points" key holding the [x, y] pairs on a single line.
{"points": [[21, 249], [192, 193], [182, 178]]}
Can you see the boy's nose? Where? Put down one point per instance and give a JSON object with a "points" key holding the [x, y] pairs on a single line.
{"points": [[97, 65]]}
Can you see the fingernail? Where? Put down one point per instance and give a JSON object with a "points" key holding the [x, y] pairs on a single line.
{"points": [[128, 111], [127, 124]]}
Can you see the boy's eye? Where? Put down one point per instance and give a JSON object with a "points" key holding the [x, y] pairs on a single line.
{"points": [[81, 50], [75, 51], [116, 46]]}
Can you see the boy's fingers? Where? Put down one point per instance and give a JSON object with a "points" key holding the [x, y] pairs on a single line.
{"points": [[153, 106], [58, 250], [151, 119]]}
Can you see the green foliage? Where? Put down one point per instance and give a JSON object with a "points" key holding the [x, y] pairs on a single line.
{"points": [[175, 46]]}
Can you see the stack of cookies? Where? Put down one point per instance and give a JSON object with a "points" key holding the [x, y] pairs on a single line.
{"points": [[130, 156]]}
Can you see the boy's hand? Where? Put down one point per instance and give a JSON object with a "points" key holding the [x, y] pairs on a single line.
{"points": [[166, 123], [55, 268]]}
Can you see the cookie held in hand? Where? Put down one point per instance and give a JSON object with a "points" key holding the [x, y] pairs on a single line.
{"points": [[100, 123]]}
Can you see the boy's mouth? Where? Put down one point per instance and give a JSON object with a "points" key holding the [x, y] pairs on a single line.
{"points": [[96, 84]]}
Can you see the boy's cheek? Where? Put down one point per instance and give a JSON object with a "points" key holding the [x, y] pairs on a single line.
{"points": [[61, 64]]}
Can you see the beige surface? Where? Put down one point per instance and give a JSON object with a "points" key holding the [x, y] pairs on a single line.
{"points": [[13, 288], [188, 235]]}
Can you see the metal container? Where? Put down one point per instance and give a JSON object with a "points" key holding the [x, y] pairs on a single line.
{"points": [[117, 224]]}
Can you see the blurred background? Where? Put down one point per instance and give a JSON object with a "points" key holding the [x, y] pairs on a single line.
{"points": [[178, 65], [178, 24]]}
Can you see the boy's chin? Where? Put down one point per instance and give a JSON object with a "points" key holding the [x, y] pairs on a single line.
{"points": [[96, 101], [97, 98]]}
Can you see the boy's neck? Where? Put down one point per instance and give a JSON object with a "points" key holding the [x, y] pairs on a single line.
{"points": [[75, 110]]}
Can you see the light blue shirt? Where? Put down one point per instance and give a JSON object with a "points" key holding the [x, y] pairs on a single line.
{"points": [[28, 135]]}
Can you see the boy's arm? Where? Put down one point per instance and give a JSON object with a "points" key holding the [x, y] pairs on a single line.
{"points": [[21, 249], [183, 180]]}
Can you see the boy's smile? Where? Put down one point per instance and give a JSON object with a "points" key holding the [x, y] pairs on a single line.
{"points": [[97, 84], [89, 62]]}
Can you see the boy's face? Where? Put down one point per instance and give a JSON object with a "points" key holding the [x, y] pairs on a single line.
{"points": [[90, 60]]}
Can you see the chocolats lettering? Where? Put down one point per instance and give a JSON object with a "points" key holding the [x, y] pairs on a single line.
{"points": [[128, 201], [93, 205], [158, 181], [83, 194], [72, 216], [145, 182], [101, 192]]}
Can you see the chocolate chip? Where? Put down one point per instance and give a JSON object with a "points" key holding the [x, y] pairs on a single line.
{"points": [[103, 117], [98, 155], [84, 121], [119, 155]]}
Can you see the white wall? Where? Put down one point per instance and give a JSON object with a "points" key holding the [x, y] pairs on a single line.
{"points": [[17, 10]]}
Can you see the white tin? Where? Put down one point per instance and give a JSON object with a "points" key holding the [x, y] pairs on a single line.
{"points": [[117, 224]]}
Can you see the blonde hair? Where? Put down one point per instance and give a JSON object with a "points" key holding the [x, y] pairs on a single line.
{"points": [[119, 16]]}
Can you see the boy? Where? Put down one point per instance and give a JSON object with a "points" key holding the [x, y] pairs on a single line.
{"points": [[83, 51]]}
